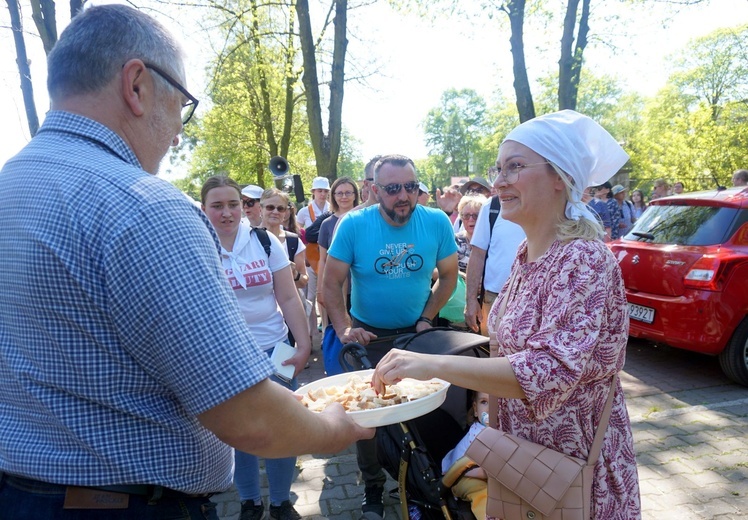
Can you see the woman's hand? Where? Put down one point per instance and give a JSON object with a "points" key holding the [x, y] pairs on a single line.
{"points": [[298, 361], [398, 364]]}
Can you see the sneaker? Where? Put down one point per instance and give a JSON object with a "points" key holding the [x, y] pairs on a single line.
{"points": [[372, 506], [285, 511], [250, 511]]}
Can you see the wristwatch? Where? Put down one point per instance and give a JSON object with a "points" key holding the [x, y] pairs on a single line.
{"points": [[425, 319], [296, 278]]}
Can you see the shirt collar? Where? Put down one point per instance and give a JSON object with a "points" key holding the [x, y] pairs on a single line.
{"points": [[86, 128]]}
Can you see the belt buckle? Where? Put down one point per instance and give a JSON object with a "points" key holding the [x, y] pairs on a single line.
{"points": [[88, 498]]}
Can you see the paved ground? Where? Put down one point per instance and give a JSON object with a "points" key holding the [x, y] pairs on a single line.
{"points": [[689, 426]]}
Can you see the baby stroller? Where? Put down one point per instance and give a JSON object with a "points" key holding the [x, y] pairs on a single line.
{"points": [[412, 451]]}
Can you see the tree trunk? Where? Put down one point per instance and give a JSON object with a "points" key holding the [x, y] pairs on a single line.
{"points": [[75, 7], [337, 83], [515, 9], [27, 88], [291, 79], [43, 14], [326, 146], [264, 102], [570, 63]]}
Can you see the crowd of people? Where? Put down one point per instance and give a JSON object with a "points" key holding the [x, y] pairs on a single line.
{"points": [[141, 337]]}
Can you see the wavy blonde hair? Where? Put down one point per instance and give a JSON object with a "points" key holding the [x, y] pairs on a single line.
{"points": [[569, 229]]}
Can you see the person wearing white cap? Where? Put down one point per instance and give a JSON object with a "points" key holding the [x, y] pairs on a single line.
{"points": [[251, 196], [561, 321], [307, 215], [318, 205], [423, 194]]}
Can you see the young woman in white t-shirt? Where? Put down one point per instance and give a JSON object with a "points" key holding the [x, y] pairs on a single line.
{"points": [[264, 286]]}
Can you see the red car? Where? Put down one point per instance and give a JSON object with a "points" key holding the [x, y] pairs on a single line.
{"points": [[685, 268]]}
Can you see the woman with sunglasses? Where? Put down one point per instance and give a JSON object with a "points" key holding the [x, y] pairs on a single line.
{"points": [[468, 209], [264, 287], [276, 210], [344, 198]]}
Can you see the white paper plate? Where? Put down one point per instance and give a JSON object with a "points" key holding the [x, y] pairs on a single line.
{"points": [[389, 414]]}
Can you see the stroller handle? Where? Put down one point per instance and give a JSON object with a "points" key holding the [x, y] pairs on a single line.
{"points": [[353, 353]]}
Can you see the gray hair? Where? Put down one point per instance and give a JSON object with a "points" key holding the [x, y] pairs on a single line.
{"points": [[99, 41]]}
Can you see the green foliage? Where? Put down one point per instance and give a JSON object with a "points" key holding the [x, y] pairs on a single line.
{"points": [[454, 131], [350, 162], [247, 121], [714, 68], [694, 130]]}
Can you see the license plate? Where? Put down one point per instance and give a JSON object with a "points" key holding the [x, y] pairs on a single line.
{"points": [[641, 313]]}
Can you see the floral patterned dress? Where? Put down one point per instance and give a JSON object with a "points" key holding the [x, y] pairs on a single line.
{"points": [[564, 332]]}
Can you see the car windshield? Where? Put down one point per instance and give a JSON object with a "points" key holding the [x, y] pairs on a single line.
{"points": [[684, 225]]}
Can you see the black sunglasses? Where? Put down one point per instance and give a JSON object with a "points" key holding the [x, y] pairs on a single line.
{"points": [[188, 108], [394, 188], [272, 207], [249, 202]]}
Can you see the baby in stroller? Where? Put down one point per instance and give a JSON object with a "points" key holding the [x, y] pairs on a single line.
{"points": [[472, 483]]}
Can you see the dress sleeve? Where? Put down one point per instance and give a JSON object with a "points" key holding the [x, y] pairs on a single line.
{"points": [[570, 344]]}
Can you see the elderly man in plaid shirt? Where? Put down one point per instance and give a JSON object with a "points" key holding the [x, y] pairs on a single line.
{"points": [[128, 372]]}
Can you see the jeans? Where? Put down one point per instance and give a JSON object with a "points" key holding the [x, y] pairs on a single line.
{"points": [[280, 472], [40, 500]]}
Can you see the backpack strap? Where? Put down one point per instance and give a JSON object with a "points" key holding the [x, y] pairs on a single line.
{"points": [[493, 214], [262, 235], [292, 244]]}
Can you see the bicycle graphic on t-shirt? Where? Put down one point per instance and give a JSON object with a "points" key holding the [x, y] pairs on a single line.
{"points": [[412, 262]]}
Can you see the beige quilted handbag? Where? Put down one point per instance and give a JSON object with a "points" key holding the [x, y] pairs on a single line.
{"points": [[528, 481]]}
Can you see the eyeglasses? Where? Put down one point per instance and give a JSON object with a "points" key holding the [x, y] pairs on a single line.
{"points": [[343, 194], [272, 207], [510, 172], [394, 188], [250, 203], [188, 108], [469, 216]]}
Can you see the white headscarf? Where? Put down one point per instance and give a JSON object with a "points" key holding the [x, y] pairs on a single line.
{"points": [[576, 144]]}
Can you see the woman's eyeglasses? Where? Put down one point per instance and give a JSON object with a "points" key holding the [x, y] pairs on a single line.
{"points": [[394, 188], [343, 194], [469, 216], [510, 172], [272, 207], [249, 203]]}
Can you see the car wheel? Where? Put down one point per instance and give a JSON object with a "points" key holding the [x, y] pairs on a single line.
{"points": [[734, 359]]}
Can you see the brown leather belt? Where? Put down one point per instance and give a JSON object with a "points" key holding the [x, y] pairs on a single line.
{"points": [[102, 497]]}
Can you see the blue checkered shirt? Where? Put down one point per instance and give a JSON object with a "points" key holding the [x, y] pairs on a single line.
{"points": [[117, 324]]}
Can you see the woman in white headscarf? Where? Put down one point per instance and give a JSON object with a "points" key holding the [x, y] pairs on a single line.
{"points": [[563, 335]]}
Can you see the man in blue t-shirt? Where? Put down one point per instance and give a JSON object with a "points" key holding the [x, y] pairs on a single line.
{"points": [[390, 250]]}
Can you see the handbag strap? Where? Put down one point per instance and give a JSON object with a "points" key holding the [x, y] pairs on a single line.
{"points": [[493, 402], [602, 426], [493, 346]]}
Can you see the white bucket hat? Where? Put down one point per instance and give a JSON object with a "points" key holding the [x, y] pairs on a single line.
{"points": [[320, 183]]}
